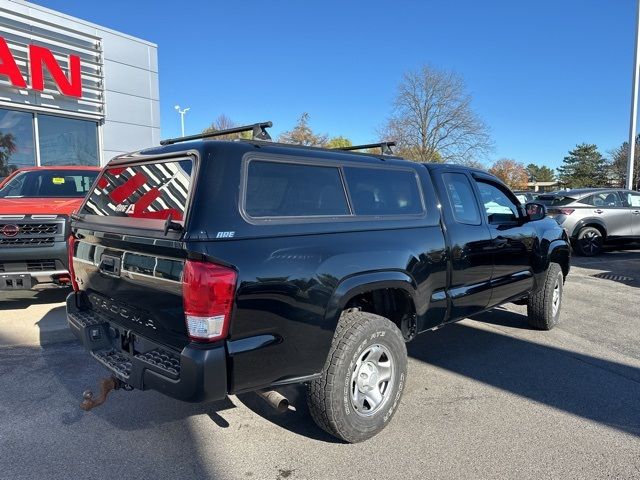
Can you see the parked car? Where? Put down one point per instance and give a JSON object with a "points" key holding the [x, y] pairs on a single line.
{"points": [[208, 268], [35, 205], [593, 217]]}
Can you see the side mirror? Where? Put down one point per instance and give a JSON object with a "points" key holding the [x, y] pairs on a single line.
{"points": [[535, 211]]}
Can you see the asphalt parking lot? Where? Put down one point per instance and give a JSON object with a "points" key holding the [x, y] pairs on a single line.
{"points": [[486, 398]]}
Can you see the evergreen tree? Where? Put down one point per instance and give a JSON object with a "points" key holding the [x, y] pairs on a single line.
{"points": [[539, 173], [584, 167]]}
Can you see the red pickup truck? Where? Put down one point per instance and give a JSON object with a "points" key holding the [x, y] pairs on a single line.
{"points": [[35, 206]]}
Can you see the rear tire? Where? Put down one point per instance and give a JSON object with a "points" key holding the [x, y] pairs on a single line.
{"points": [[589, 241], [362, 380], [543, 307]]}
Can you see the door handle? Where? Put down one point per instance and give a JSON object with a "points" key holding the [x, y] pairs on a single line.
{"points": [[598, 210]]}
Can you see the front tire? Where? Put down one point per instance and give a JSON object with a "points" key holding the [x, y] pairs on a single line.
{"points": [[589, 241], [362, 380], [543, 307]]}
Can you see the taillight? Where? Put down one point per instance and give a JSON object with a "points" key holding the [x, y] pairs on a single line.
{"points": [[208, 292], [71, 246], [561, 211], [566, 211]]}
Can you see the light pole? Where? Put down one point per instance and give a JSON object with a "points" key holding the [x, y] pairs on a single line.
{"points": [[181, 112], [634, 103]]}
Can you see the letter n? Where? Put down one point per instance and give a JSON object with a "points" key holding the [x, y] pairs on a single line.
{"points": [[40, 57]]}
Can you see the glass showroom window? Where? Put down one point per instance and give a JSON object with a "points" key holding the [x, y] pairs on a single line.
{"points": [[17, 148], [67, 141]]}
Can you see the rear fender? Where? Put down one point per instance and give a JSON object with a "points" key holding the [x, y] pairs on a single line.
{"points": [[366, 282], [588, 221], [560, 253]]}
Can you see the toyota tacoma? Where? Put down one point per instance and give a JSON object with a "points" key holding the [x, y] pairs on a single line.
{"points": [[204, 268]]}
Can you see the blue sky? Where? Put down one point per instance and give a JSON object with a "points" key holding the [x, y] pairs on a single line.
{"points": [[544, 74]]}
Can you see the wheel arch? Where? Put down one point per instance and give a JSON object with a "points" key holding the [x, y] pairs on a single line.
{"points": [[589, 222], [391, 294], [560, 253]]}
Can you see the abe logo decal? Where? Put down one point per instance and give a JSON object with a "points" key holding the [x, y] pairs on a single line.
{"points": [[123, 207]]}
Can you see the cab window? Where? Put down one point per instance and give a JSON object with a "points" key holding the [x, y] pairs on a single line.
{"points": [[462, 199], [499, 208]]}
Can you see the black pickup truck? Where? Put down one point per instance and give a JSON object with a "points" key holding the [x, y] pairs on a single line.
{"points": [[207, 268]]}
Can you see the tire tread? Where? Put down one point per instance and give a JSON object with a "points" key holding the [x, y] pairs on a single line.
{"points": [[538, 305], [349, 330]]}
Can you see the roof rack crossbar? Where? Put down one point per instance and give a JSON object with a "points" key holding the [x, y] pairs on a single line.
{"points": [[259, 132], [384, 146]]}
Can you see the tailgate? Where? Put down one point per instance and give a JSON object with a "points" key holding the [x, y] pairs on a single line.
{"points": [[124, 259]]}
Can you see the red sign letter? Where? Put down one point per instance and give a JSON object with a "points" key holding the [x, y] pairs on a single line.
{"points": [[9, 66], [39, 56]]}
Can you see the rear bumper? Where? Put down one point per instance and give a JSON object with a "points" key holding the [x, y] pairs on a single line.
{"points": [[193, 374]]}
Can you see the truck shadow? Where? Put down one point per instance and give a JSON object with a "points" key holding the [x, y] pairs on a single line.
{"points": [[151, 408], [10, 300], [595, 389], [297, 420], [164, 436], [52, 327], [617, 266], [504, 317], [599, 390]]}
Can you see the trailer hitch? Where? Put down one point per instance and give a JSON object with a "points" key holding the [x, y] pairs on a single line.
{"points": [[106, 386]]}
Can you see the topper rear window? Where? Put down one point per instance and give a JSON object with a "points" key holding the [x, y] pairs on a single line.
{"points": [[146, 191]]}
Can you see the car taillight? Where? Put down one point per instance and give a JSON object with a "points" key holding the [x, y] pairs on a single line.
{"points": [[208, 292], [566, 211], [561, 211], [71, 249]]}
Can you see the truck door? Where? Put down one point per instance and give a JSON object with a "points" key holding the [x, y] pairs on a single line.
{"points": [[513, 240], [469, 244]]}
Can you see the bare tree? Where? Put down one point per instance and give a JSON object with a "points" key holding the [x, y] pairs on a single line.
{"points": [[432, 119], [302, 134], [223, 122], [618, 165]]}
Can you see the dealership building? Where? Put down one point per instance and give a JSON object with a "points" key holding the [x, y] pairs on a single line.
{"points": [[72, 92]]}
